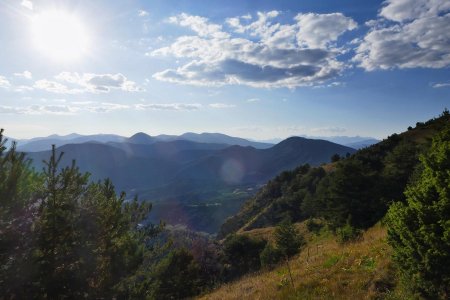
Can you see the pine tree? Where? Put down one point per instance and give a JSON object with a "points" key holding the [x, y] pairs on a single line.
{"points": [[287, 238], [18, 194], [288, 241], [419, 230]]}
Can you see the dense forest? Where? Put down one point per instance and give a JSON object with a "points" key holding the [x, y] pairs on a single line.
{"points": [[64, 236]]}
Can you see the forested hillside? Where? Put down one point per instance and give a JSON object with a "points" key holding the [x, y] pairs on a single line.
{"points": [[356, 190]]}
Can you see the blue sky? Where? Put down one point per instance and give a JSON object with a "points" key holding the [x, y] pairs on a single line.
{"points": [[254, 69]]}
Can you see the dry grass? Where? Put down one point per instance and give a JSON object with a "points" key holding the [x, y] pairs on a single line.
{"points": [[323, 270]]}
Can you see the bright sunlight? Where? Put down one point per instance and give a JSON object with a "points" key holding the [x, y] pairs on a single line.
{"points": [[59, 35]]}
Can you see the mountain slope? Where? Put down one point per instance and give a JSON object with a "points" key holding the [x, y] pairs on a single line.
{"points": [[324, 269], [358, 188], [244, 165], [220, 138], [204, 182], [362, 144]]}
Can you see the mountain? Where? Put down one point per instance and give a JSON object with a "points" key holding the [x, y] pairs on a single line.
{"points": [[43, 144], [357, 189], [220, 138], [356, 142], [247, 165], [204, 182], [141, 138], [362, 144]]}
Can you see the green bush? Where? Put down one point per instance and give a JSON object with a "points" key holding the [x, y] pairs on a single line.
{"points": [[270, 256], [241, 253], [288, 240], [348, 233]]}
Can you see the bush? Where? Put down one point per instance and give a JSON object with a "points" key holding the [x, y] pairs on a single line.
{"points": [[241, 253], [270, 256], [288, 240], [176, 277], [348, 233], [313, 225]]}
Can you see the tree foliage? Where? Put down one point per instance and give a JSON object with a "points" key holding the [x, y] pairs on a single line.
{"points": [[63, 236], [419, 230], [287, 238], [176, 277], [241, 253]]}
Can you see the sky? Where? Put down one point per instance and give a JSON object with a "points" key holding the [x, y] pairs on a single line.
{"points": [[254, 69]]}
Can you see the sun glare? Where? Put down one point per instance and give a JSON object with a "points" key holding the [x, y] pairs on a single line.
{"points": [[59, 35]]}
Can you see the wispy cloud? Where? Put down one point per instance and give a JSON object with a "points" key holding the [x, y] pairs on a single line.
{"points": [[221, 105], [54, 87], [75, 83], [253, 100], [441, 85], [63, 109], [4, 83], [329, 129], [143, 13], [169, 106], [99, 83], [24, 74]]}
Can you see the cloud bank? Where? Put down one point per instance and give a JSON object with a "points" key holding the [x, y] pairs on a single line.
{"points": [[257, 51], [407, 34]]}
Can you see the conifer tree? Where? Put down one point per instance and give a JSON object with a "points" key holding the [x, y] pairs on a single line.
{"points": [[419, 230]]}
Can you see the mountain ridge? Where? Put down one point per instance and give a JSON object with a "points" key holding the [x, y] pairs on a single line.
{"points": [[186, 172]]}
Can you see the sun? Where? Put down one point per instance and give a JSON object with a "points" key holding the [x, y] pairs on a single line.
{"points": [[59, 35]]}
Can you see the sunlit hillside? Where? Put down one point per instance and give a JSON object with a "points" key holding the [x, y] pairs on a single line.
{"points": [[324, 269]]}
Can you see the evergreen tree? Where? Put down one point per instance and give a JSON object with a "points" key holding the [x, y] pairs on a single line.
{"points": [[89, 240], [419, 230], [287, 238], [18, 195]]}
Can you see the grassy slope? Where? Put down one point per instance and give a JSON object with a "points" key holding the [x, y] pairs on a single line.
{"points": [[324, 270]]}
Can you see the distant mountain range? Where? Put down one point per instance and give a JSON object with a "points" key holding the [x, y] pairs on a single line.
{"points": [[201, 181], [44, 143]]}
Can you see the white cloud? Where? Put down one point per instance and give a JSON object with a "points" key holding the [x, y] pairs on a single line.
{"points": [[99, 83], [200, 25], [221, 105], [23, 88], [253, 100], [38, 110], [143, 13], [27, 4], [328, 130], [169, 106], [54, 87], [273, 58], [408, 10], [318, 30], [4, 83], [64, 109], [105, 107], [407, 34], [24, 74], [441, 85]]}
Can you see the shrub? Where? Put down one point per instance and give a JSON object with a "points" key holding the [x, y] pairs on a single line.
{"points": [[270, 256]]}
